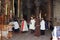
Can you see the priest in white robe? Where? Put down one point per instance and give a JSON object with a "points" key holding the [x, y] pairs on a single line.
{"points": [[32, 25], [24, 27], [42, 27], [16, 27]]}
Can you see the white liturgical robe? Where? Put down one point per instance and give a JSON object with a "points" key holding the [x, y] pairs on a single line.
{"points": [[24, 26], [42, 25], [32, 24]]}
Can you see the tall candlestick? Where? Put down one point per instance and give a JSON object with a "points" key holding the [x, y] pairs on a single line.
{"points": [[13, 7], [40, 15], [18, 7], [6, 9]]}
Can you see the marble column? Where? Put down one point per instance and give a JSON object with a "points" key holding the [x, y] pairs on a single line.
{"points": [[49, 12]]}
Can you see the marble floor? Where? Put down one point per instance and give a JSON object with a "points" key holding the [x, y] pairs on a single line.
{"points": [[29, 36]]}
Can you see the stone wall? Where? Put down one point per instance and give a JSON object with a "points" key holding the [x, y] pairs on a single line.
{"points": [[57, 12]]}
